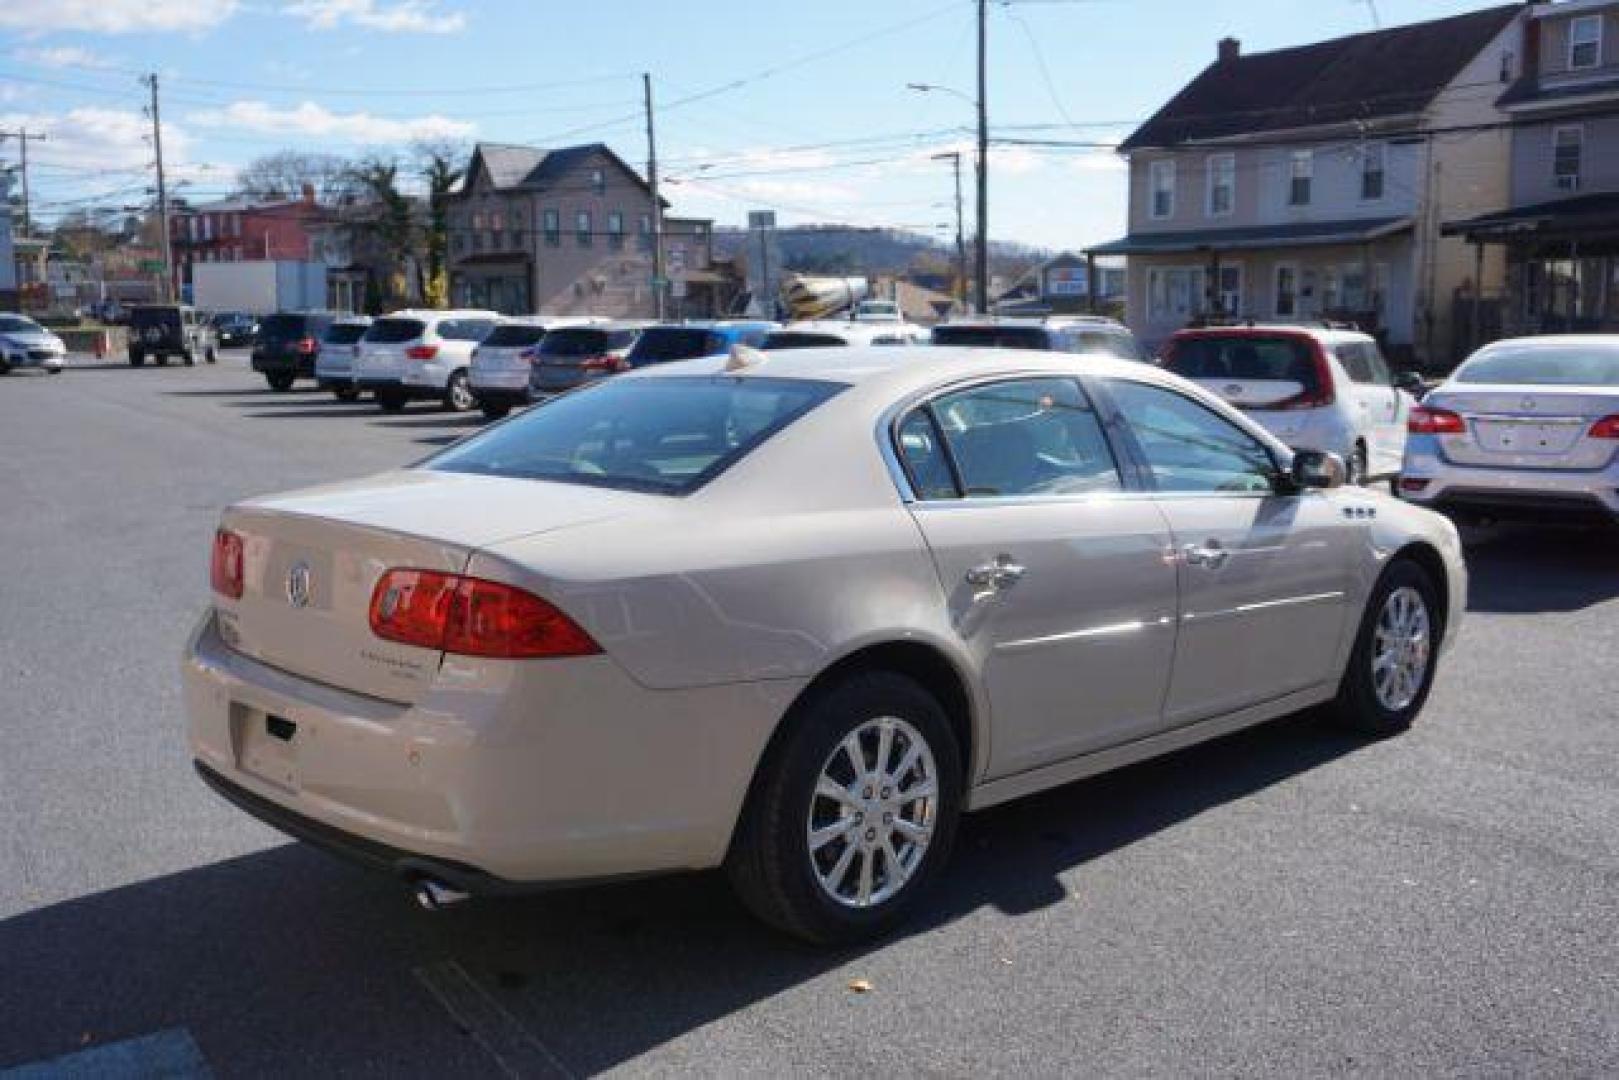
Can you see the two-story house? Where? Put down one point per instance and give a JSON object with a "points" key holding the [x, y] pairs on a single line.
{"points": [[562, 232], [1312, 182], [1559, 230]]}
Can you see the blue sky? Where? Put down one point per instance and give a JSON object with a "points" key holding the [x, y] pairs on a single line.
{"points": [[799, 107]]}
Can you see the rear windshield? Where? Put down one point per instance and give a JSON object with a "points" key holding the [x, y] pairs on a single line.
{"points": [[17, 324], [664, 343], [1544, 365], [585, 341], [285, 326], [465, 329], [998, 337], [345, 333], [514, 335], [1108, 343], [155, 317], [666, 436], [394, 331], [800, 339], [1260, 359]]}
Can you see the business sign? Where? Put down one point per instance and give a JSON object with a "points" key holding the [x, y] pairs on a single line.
{"points": [[1066, 281]]}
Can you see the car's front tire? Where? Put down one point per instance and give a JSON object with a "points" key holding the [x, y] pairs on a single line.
{"points": [[346, 393], [279, 382], [1391, 668], [853, 811]]}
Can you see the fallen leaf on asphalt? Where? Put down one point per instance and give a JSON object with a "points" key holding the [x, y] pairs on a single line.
{"points": [[861, 986]]}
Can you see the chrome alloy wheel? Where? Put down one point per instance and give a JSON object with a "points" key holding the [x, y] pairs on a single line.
{"points": [[461, 397], [1400, 649], [873, 811]]}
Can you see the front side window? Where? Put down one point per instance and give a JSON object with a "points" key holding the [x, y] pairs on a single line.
{"points": [[1585, 42], [1188, 447], [1373, 161], [1222, 184], [1161, 189], [1568, 148], [1024, 437], [1301, 177]]}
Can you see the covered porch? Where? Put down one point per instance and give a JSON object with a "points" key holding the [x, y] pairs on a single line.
{"points": [[496, 282]]}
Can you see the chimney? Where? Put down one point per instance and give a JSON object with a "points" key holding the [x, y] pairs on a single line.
{"points": [[309, 193], [1230, 49]]}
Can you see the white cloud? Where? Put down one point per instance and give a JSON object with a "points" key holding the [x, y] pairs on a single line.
{"points": [[1098, 161], [316, 121], [114, 16], [401, 16], [99, 139], [62, 56]]}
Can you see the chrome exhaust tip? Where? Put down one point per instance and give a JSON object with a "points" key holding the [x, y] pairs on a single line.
{"points": [[436, 896]]}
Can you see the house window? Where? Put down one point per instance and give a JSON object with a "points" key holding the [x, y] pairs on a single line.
{"points": [[1568, 147], [646, 232], [497, 221], [1287, 291], [1161, 184], [553, 228], [582, 228], [1301, 176], [478, 221], [1584, 42], [1373, 160], [1174, 294], [1229, 292], [615, 231], [1222, 172], [598, 181]]}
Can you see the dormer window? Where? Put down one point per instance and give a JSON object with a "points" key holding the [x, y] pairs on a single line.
{"points": [[598, 181], [1584, 42]]}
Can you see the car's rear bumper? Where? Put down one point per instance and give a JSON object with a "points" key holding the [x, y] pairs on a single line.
{"points": [[505, 775], [1550, 495], [272, 364], [328, 381], [499, 395], [397, 387]]}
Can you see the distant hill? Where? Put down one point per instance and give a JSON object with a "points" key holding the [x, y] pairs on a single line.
{"points": [[840, 250]]}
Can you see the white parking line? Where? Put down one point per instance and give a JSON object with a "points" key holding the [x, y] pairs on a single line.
{"points": [[515, 1049]]}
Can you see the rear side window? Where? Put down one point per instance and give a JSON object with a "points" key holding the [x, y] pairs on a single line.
{"points": [[998, 337], [514, 335], [574, 343], [665, 343], [282, 326], [1246, 358], [394, 331], [801, 339], [344, 333], [465, 329], [1020, 437], [664, 436]]}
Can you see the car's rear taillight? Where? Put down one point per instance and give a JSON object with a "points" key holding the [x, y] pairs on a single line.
{"points": [[226, 571], [421, 352], [606, 362], [306, 345], [531, 355], [1413, 483], [472, 617], [1428, 420], [1606, 428]]}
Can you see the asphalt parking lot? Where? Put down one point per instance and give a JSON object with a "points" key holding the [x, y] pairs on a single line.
{"points": [[1288, 901]]}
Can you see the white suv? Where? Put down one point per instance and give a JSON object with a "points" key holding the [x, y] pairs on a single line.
{"points": [[503, 361], [1315, 389], [421, 354]]}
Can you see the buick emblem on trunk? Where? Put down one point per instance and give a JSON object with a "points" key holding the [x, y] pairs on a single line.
{"points": [[298, 584], [1528, 404]]}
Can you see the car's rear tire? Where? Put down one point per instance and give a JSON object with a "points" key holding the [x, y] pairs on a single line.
{"points": [[211, 355], [279, 382], [883, 827], [136, 358], [458, 393], [347, 393], [1391, 668], [189, 358], [390, 401], [160, 359], [491, 411]]}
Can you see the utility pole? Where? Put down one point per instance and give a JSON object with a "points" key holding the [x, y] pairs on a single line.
{"points": [[657, 203], [22, 135], [954, 157], [982, 269], [162, 192]]}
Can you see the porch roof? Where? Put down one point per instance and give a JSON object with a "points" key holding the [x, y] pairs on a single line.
{"points": [[1581, 215], [1291, 234]]}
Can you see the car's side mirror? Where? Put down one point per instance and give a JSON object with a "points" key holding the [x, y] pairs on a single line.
{"points": [[1317, 469], [1411, 382]]}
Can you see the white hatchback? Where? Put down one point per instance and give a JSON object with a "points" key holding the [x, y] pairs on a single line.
{"points": [[421, 354], [1315, 389]]}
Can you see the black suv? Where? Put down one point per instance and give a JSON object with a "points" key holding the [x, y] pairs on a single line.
{"points": [[286, 346], [164, 330]]}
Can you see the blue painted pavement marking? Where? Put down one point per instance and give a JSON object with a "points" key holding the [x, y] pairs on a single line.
{"points": [[170, 1054]]}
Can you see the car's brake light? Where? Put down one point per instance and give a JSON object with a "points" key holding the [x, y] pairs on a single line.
{"points": [[605, 362], [472, 617], [531, 355], [1606, 428], [226, 571], [306, 345], [1428, 420], [421, 352], [1413, 483]]}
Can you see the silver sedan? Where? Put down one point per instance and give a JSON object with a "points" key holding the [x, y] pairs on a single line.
{"points": [[792, 614], [1526, 428], [26, 344]]}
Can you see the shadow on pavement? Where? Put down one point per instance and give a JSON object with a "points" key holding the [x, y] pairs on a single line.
{"points": [[287, 961], [1520, 570], [436, 420]]}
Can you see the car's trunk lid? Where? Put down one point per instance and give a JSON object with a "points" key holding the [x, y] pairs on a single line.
{"points": [[312, 560], [1527, 427]]}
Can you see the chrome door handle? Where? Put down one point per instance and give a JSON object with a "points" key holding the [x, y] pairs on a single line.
{"points": [[1211, 555], [1000, 574]]}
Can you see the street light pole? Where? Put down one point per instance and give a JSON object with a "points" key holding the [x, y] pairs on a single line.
{"points": [[954, 157], [982, 269]]}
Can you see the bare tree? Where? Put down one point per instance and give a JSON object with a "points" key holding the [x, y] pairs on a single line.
{"points": [[283, 174]]}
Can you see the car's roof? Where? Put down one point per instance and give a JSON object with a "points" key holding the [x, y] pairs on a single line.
{"points": [[1607, 341], [610, 324], [434, 313], [1328, 335], [1037, 321]]}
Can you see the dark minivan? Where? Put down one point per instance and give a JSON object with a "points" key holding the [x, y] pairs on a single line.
{"points": [[287, 344]]}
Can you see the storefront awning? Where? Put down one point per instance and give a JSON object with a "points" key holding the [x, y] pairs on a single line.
{"points": [[1581, 216], [1293, 234]]}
